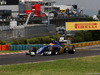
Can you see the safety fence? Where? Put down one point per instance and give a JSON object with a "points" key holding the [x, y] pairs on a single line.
{"points": [[27, 47]]}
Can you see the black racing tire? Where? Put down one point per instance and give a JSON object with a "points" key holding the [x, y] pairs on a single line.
{"points": [[31, 54], [71, 49], [65, 50], [27, 54], [32, 49], [53, 51]]}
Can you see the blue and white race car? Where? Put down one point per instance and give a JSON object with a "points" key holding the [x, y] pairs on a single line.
{"points": [[51, 49]]}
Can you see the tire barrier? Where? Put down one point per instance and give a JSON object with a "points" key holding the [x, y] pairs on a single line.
{"points": [[5, 47], [24, 47], [27, 47], [17, 47], [0, 47]]}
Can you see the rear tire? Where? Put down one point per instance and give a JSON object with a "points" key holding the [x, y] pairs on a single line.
{"points": [[71, 49], [53, 51]]}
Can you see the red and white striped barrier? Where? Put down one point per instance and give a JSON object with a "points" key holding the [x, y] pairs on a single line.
{"points": [[13, 53]]}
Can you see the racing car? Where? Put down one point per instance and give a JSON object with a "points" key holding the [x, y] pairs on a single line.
{"points": [[51, 49]]}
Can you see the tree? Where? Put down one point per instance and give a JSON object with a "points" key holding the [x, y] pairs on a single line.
{"points": [[82, 36], [98, 16]]}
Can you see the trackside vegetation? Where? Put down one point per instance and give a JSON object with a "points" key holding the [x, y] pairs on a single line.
{"points": [[81, 36], [36, 40], [2, 42], [77, 66], [85, 36]]}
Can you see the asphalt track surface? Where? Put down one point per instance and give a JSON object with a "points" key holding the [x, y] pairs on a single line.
{"points": [[22, 58]]}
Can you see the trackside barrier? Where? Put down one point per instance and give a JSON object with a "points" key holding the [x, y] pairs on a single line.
{"points": [[18, 47], [27, 47], [86, 44], [5, 47], [24, 47], [0, 47]]}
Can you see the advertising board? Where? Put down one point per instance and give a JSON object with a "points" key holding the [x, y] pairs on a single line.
{"points": [[73, 26]]}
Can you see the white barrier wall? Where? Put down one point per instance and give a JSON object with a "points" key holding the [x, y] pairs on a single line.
{"points": [[14, 8]]}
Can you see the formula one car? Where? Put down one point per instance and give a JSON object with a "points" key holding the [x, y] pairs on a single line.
{"points": [[51, 49]]}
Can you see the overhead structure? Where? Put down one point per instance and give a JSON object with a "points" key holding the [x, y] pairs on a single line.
{"points": [[74, 26]]}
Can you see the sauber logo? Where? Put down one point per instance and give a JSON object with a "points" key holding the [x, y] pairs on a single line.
{"points": [[85, 25]]}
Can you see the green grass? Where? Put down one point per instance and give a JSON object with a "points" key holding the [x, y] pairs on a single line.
{"points": [[78, 66]]}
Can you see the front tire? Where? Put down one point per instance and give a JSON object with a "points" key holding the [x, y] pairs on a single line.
{"points": [[32, 51], [71, 49], [27, 53]]}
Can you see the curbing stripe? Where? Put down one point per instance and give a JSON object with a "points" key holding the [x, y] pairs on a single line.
{"points": [[13, 53]]}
